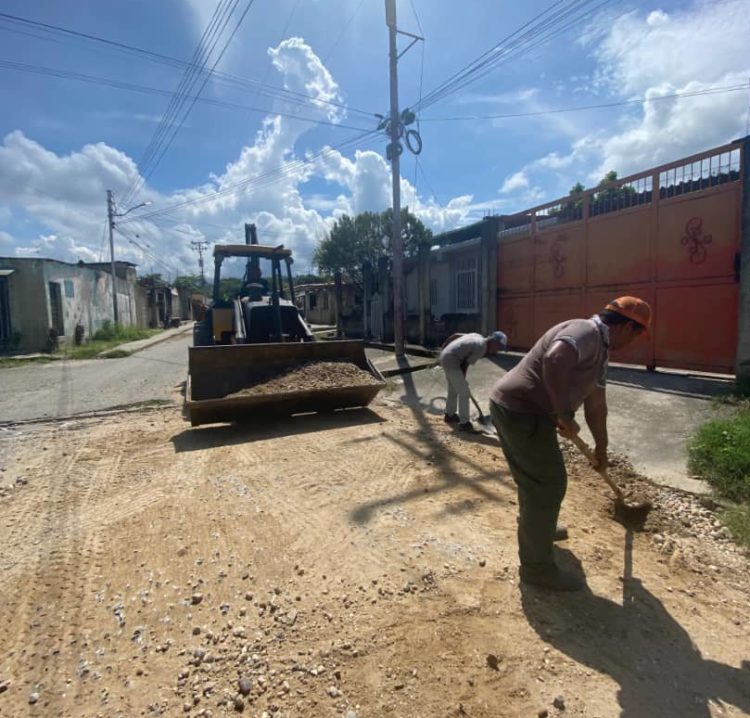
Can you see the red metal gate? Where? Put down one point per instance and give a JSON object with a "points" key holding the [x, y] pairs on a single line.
{"points": [[670, 235]]}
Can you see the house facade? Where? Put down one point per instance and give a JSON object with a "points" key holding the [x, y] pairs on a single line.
{"points": [[318, 302], [39, 295]]}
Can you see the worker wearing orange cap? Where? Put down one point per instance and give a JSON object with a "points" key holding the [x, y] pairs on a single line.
{"points": [[538, 399]]}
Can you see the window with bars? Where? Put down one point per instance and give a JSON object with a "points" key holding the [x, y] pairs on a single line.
{"points": [[466, 284]]}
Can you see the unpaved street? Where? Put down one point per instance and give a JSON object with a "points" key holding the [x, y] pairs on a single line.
{"points": [[64, 388], [363, 565]]}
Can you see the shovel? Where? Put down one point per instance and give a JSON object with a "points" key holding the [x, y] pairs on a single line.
{"points": [[483, 420], [632, 509]]}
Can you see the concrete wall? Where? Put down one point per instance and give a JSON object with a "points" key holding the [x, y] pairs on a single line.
{"points": [[440, 273], [86, 298], [319, 315]]}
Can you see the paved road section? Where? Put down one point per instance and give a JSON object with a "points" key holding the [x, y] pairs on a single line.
{"points": [[68, 387], [651, 415]]}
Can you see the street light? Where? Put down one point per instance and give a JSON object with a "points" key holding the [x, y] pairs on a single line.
{"points": [[111, 214]]}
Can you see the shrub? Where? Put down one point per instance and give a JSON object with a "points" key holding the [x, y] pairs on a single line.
{"points": [[720, 453], [738, 520]]}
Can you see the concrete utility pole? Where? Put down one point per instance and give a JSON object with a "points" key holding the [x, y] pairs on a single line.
{"points": [[394, 152], [111, 223], [111, 214], [199, 246]]}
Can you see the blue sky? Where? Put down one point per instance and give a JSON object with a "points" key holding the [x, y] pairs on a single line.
{"points": [[64, 142]]}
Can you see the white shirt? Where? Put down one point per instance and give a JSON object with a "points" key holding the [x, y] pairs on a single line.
{"points": [[468, 349]]}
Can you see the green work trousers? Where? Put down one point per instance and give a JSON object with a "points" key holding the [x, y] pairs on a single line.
{"points": [[530, 446]]}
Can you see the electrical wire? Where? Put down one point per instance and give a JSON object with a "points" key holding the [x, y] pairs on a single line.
{"points": [[537, 31], [188, 79], [605, 105], [421, 83], [341, 34], [171, 131], [288, 22], [103, 239], [427, 181], [148, 253], [48, 32], [142, 89]]}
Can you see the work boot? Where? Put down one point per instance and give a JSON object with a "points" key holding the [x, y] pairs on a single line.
{"points": [[561, 533], [451, 418], [554, 578], [468, 428]]}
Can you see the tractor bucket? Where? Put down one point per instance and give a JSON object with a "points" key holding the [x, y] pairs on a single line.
{"points": [[217, 372]]}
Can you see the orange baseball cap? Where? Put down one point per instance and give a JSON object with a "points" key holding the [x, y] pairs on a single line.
{"points": [[633, 308]]}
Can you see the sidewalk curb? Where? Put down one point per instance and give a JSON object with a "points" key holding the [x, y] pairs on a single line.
{"points": [[158, 339]]}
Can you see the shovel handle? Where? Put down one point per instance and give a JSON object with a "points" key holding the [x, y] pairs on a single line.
{"points": [[583, 447], [482, 417]]}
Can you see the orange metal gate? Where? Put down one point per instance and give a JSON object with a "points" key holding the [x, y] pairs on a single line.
{"points": [[670, 235]]}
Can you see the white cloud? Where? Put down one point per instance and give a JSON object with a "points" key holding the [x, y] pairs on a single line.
{"points": [[652, 55], [518, 180], [61, 198]]}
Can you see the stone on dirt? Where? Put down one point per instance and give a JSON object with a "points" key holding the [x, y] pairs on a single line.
{"points": [[245, 685], [559, 703], [196, 598]]}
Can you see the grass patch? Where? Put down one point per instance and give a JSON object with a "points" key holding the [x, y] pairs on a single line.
{"points": [[737, 519], [719, 452], [105, 339], [116, 354], [9, 363]]}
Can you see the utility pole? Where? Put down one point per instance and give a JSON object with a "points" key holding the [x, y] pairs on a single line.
{"points": [[200, 245], [111, 223], [111, 214], [394, 152]]}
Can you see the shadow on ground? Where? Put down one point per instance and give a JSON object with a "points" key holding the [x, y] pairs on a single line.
{"points": [[265, 427], [425, 444], [639, 644]]}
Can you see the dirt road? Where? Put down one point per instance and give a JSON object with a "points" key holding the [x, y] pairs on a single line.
{"points": [[363, 565]]}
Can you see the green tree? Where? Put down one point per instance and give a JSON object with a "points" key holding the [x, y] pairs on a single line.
{"points": [[192, 283], [366, 237], [612, 193]]}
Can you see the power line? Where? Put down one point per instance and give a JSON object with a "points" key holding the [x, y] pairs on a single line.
{"points": [[288, 22], [176, 102], [427, 181], [130, 87], [341, 34], [150, 56], [639, 101], [535, 32], [167, 142], [103, 240], [148, 253]]}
